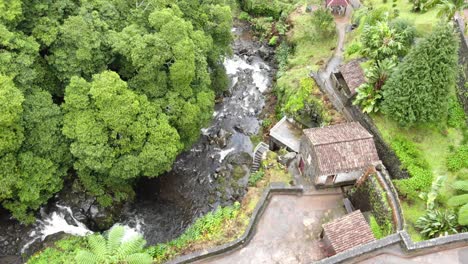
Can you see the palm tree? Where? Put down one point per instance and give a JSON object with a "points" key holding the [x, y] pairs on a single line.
{"points": [[113, 249], [448, 8]]}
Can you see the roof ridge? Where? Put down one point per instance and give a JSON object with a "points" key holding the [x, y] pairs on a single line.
{"points": [[341, 141]]}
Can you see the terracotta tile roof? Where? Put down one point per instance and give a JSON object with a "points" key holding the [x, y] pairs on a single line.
{"points": [[342, 148], [353, 74], [336, 3], [348, 231]]}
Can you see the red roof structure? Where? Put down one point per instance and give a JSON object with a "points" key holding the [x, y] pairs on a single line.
{"points": [[353, 74], [347, 232], [342, 148], [336, 3]]}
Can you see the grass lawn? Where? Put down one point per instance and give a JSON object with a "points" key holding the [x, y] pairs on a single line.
{"points": [[434, 144], [424, 22]]}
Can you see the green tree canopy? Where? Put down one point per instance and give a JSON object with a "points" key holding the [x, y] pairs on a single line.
{"points": [[418, 91], [116, 134], [155, 64]]}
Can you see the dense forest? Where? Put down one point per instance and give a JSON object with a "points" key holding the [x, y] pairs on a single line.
{"points": [[103, 92]]}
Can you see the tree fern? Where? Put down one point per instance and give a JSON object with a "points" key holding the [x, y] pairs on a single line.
{"points": [[114, 250], [97, 244], [458, 200], [139, 258], [86, 257], [114, 238], [134, 245], [461, 185], [463, 215]]}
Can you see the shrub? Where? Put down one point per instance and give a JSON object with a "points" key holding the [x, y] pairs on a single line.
{"points": [[456, 114], [261, 7], [244, 16], [437, 223], [63, 251], [281, 55], [324, 23], [458, 159], [354, 48], [273, 41], [412, 160], [255, 177], [418, 91], [375, 228]]}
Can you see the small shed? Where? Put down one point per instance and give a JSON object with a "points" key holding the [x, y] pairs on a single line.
{"points": [[337, 155], [349, 77], [337, 6], [344, 233], [285, 134]]}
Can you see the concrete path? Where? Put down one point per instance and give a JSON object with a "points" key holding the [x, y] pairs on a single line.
{"points": [[288, 231], [450, 256]]}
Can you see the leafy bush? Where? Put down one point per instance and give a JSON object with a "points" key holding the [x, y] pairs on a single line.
{"points": [[244, 16], [206, 228], [456, 114], [412, 160], [437, 223], [113, 249], [281, 55], [354, 48], [273, 41], [261, 7], [255, 177], [63, 251], [458, 159], [375, 228], [323, 22], [368, 98], [461, 201]]}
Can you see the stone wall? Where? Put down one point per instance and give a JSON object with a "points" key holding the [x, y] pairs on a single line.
{"points": [[463, 62]]}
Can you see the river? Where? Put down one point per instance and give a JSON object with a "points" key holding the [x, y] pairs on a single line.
{"points": [[214, 172]]}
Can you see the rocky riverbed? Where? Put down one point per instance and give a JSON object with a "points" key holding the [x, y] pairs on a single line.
{"points": [[213, 172]]}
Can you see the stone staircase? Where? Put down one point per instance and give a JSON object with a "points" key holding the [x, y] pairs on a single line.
{"points": [[258, 152]]}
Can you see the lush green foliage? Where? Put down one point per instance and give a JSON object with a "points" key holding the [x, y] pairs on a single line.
{"points": [[461, 201], [437, 223], [34, 155], [324, 23], [383, 41], [132, 75], [375, 228], [448, 8], [456, 114], [64, 251], [418, 91], [208, 227], [413, 161], [302, 105], [114, 249], [255, 177], [458, 159], [369, 95]]}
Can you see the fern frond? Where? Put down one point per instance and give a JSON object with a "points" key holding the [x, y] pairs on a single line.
{"points": [[458, 200], [86, 257], [135, 245], [461, 185], [97, 244], [139, 258], [114, 238], [463, 215]]}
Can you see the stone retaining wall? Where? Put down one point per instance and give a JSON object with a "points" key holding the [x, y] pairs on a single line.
{"points": [[463, 62], [402, 240], [274, 188]]}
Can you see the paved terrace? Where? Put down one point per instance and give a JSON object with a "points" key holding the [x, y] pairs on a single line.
{"points": [[288, 231]]}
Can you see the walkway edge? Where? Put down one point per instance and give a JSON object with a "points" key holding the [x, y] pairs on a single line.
{"points": [[273, 188]]}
